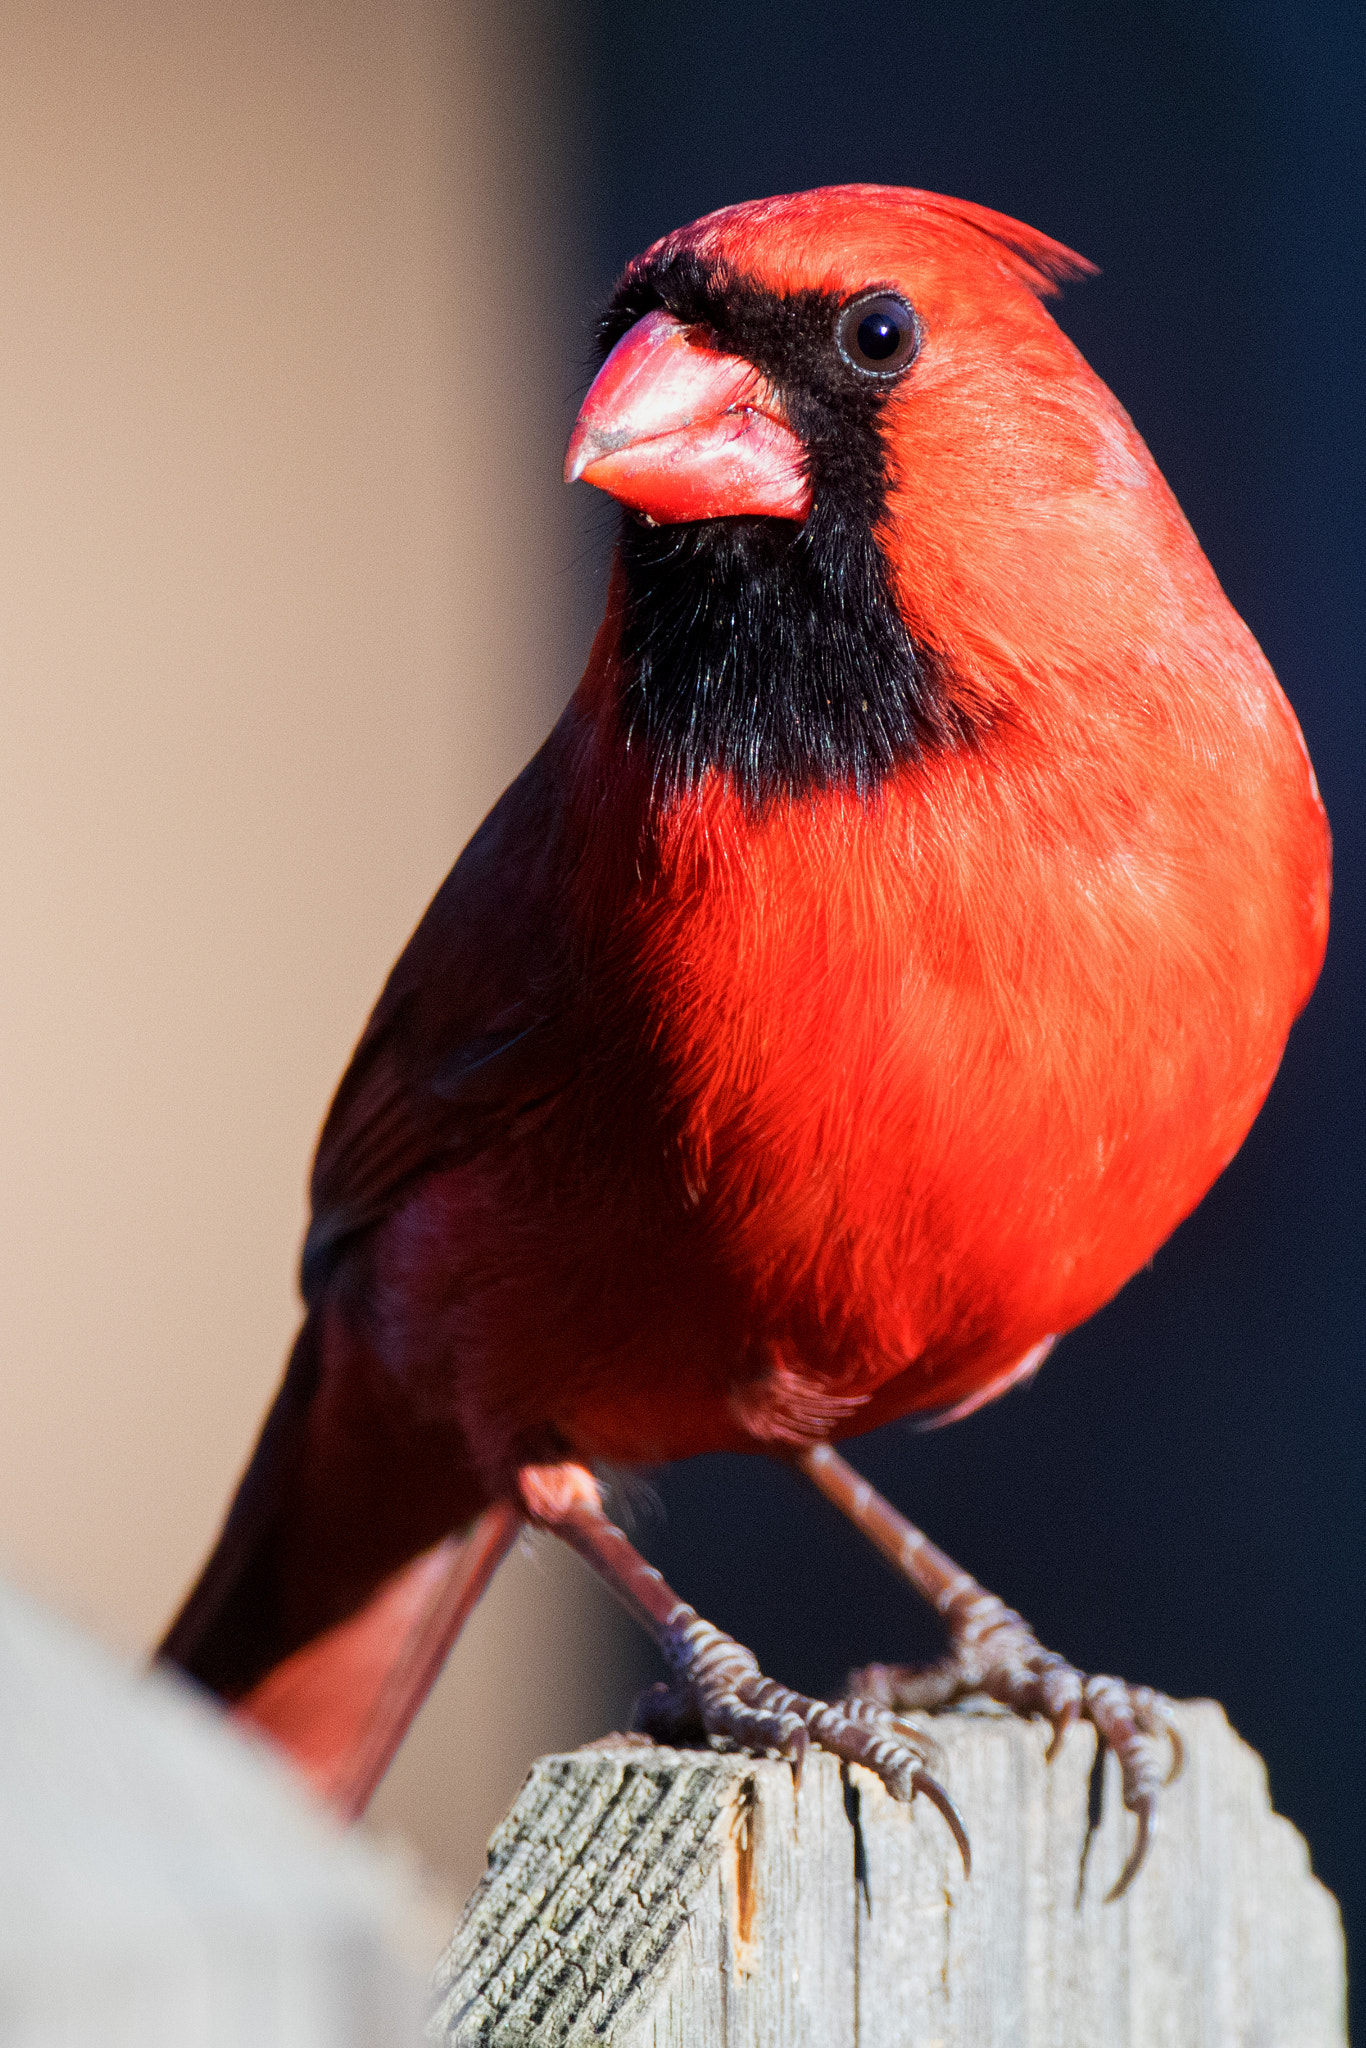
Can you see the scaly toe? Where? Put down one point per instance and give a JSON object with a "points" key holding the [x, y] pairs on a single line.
{"points": [[721, 1693], [1139, 1725], [996, 1653]]}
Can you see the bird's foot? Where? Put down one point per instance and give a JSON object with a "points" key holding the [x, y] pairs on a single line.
{"points": [[719, 1692], [717, 1689], [993, 1650]]}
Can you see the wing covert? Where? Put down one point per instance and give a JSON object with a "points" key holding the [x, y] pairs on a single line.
{"points": [[471, 1028]]}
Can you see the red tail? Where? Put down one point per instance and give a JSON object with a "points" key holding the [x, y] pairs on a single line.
{"points": [[338, 1585], [342, 1705]]}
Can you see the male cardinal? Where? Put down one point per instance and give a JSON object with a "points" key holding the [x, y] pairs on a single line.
{"points": [[891, 942]]}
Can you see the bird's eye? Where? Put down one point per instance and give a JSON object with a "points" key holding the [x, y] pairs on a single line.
{"points": [[877, 334]]}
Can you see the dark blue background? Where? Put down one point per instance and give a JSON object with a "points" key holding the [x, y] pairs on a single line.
{"points": [[1180, 1495]]}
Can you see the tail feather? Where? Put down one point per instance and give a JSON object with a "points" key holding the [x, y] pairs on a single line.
{"points": [[342, 1704], [356, 1546], [228, 1631]]}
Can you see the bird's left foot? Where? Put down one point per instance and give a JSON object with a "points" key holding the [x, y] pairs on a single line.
{"points": [[993, 1650]]}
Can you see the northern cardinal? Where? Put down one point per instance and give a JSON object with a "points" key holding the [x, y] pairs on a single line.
{"points": [[895, 936]]}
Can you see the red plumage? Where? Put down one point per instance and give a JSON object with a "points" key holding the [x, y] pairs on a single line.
{"points": [[693, 1120]]}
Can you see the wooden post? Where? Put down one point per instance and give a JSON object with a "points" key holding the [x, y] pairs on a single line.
{"points": [[166, 1883], [638, 1895]]}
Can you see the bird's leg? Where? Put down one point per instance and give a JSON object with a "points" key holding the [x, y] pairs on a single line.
{"points": [[716, 1688], [993, 1650]]}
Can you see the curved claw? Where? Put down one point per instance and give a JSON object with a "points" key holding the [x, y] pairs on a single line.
{"points": [[1178, 1763], [937, 1796], [1008, 1664], [795, 1750], [1153, 1715], [1143, 1808], [1067, 1718]]}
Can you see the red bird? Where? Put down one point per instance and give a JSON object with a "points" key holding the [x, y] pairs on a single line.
{"points": [[892, 941]]}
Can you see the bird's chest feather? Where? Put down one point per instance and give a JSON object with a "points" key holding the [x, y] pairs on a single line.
{"points": [[937, 1069], [878, 1093]]}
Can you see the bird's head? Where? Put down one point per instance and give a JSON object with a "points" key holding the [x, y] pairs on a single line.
{"points": [[862, 469]]}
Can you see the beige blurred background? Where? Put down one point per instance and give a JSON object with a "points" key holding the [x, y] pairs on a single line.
{"points": [[288, 594]]}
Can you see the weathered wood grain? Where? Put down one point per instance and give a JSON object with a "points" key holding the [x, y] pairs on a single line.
{"points": [[650, 1898]]}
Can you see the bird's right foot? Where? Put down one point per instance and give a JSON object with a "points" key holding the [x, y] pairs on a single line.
{"points": [[720, 1693], [717, 1691]]}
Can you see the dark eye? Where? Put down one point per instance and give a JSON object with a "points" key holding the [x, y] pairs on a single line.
{"points": [[877, 333]]}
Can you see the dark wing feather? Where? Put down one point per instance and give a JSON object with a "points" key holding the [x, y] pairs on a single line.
{"points": [[472, 1026]]}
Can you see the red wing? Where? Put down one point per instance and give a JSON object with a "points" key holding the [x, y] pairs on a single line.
{"points": [[472, 1026]]}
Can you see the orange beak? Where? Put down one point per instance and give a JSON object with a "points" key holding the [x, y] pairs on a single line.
{"points": [[679, 432]]}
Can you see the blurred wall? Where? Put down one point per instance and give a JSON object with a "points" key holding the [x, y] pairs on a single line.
{"points": [[281, 563]]}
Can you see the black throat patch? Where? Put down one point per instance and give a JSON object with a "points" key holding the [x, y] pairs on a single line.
{"points": [[772, 651]]}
